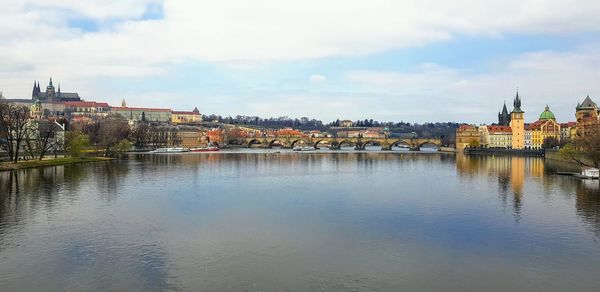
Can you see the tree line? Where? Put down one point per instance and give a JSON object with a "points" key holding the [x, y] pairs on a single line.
{"points": [[444, 130]]}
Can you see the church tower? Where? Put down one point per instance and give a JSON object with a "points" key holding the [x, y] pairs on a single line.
{"points": [[517, 124], [36, 93], [50, 92], [504, 116]]}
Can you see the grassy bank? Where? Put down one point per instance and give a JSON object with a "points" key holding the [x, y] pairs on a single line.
{"points": [[49, 162]]}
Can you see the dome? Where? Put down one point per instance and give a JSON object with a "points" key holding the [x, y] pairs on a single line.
{"points": [[547, 114]]}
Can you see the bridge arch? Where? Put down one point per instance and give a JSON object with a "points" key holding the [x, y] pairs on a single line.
{"points": [[345, 143], [400, 144], [423, 143], [371, 143], [301, 141], [253, 142], [276, 142], [323, 143]]}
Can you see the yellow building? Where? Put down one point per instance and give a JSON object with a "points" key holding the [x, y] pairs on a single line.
{"points": [[484, 136], [536, 138], [517, 124], [467, 136], [183, 117], [36, 111], [545, 127], [346, 123]]}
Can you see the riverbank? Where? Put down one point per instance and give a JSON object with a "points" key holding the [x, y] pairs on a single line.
{"points": [[6, 166], [505, 152], [561, 163]]}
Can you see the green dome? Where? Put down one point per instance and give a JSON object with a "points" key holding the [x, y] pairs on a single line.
{"points": [[547, 114]]}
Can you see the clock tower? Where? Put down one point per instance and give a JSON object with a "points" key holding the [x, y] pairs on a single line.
{"points": [[517, 124]]}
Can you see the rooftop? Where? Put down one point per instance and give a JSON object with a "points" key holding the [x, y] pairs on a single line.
{"points": [[119, 108]]}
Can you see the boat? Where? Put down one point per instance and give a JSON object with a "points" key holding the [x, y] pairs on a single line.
{"points": [[208, 148], [589, 173], [303, 148], [170, 150]]}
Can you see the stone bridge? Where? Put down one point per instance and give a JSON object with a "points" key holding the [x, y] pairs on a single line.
{"points": [[358, 143]]}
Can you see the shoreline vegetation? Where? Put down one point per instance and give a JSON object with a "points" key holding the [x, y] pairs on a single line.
{"points": [[8, 166]]}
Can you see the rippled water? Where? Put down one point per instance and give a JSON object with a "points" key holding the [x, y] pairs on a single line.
{"points": [[299, 222]]}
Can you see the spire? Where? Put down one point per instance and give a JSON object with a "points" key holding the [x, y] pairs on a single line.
{"points": [[123, 103], [504, 109], [517, 103], [50, 84]]}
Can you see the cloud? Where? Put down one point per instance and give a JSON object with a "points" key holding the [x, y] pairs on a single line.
{"points": [[38, 41], [559, 79]]}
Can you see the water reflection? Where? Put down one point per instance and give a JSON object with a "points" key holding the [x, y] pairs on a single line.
{"points": [[299, 221]]}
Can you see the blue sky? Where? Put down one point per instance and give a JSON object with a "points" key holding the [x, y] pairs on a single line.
{"points": [[414, 61]]}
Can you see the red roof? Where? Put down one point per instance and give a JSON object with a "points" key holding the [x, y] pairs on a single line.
{"points": [[465, 127], [118, 108], [499, 129], [569, 124], [86, 104], [536, 125]]}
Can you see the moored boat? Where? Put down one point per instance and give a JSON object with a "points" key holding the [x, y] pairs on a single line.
{"points": [[209, 148], [170, 150], [303, 148], [589, 173]]}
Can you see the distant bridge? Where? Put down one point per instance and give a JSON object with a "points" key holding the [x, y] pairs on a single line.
{"points": [[358, 143]]}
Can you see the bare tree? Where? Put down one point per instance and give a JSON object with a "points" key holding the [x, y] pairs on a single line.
{"points": [[140, 135], [159, 136], [585, 149], [107, 132], [111, 132], [43, 138], [13, 127]]}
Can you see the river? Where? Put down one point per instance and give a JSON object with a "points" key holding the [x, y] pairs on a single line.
{"points": [[254, 220]]}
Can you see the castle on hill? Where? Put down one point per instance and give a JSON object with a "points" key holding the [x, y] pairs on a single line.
{"points": [[52, 94]]}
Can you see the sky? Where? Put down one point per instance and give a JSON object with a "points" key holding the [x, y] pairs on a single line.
{"points": [[389, 60]]}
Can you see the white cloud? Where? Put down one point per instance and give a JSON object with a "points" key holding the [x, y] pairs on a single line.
{"points": [[241, 34], [557, 79]]}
